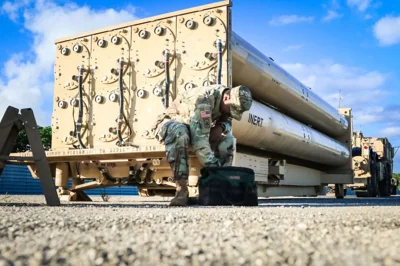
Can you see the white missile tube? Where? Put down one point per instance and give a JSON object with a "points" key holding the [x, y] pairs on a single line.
{"points": [[264, 128], [273, 85]]}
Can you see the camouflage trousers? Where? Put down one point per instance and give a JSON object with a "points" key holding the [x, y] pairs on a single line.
{"points": [[177, 138]]}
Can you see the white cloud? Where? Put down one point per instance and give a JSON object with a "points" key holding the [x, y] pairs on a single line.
{"points": [[387, 30], [393, 113], [331, 16], [328, 75], [46, 21], [289, 19], [12, 8], [389, 114], [361, 5], [353, 87], [390, 131], [372, 114], [367, 16], [293, 47]]}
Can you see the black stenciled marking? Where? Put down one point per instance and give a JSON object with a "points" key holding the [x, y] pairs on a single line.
{"points": [[255, 120]]}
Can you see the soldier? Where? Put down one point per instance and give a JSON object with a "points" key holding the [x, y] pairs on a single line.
{"points": [[200, 117]]}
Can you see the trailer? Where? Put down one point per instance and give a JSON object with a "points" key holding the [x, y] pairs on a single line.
{"points": [[111, 83]]}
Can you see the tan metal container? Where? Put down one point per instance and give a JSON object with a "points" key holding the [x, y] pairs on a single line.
{"points": [[124, 87]]}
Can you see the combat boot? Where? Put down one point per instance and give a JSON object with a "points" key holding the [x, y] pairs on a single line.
{"points": [[181, 194]]}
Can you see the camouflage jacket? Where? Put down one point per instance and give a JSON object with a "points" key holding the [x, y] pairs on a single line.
{"points": [[199, 104], [199, 109]]}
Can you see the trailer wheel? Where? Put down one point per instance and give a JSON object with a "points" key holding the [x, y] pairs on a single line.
{"points": [[339, 191]]}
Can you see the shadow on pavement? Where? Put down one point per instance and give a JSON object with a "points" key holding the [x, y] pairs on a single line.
{"points": [[329, 202]]}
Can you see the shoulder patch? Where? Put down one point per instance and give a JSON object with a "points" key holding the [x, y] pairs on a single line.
{"points": [[205, 114]]}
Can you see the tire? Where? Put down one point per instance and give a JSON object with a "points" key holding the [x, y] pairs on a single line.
{"points": [[384, 189], [339, 191], [394, 190], [372, 185], [385, 184]]}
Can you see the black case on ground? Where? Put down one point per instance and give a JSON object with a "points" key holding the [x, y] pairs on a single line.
{"points": [[227, 186]]}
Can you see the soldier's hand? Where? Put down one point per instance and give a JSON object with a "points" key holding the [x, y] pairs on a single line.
{"points": [[215, 136], [216, 164]]}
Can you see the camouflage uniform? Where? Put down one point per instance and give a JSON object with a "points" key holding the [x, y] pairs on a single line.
{"points": [[194, 118]]}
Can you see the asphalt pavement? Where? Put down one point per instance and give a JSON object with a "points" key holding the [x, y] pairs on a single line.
{"points": [[137, 231]]}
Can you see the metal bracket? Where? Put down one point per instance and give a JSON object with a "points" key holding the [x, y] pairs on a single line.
{"points": [[12, 123], [276, 168]]}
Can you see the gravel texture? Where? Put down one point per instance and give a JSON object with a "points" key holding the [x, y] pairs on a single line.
{"points": [[124, 231]]}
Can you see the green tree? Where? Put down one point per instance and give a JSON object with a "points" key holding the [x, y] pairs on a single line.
{"points": [[22, 143], [397, 176], [45, 135]]}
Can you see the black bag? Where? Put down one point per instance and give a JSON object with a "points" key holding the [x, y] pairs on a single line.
{"points": [[227, 186]]}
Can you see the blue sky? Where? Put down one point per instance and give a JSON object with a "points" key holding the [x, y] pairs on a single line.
{"points": [[349, 48]]}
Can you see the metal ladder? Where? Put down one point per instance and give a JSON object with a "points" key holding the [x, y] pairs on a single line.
{"points": [[10, 125]]}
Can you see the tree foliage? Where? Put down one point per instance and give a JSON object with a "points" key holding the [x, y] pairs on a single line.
{"points": [[22, 143], [397, 176]]}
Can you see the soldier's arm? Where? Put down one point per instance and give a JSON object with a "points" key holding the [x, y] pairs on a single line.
{"points": [[200, 126], [225, 122], [219, 131], [222, 141]]}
